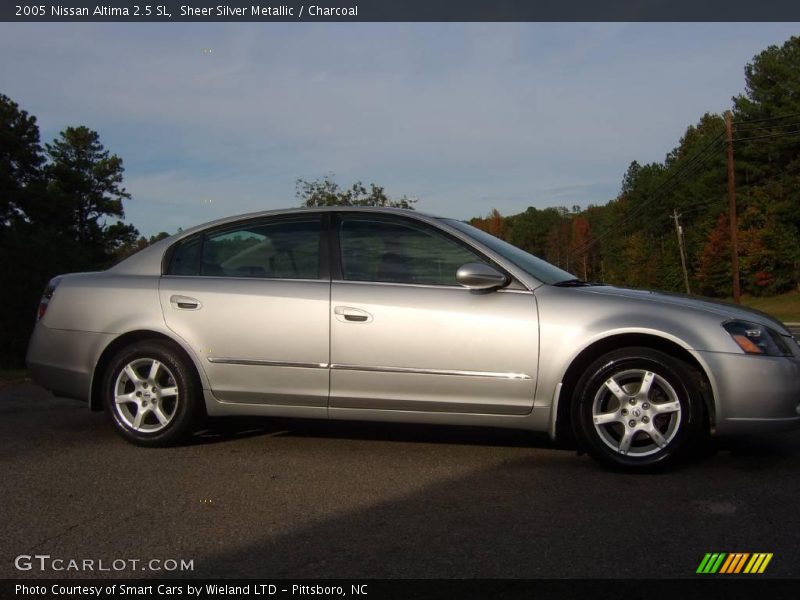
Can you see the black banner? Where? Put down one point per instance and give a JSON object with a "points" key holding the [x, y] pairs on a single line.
{"points": [[400, 10], [381, 589]]}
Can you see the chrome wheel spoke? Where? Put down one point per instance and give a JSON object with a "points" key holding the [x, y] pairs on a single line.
{"points": [[126, 398], [625, 441], [615, 389], [647, 382], [606, 418], [656, 436], [133, 376], [169, 391], [137, 420], [666, 407], [159, 413], [151, 377]]}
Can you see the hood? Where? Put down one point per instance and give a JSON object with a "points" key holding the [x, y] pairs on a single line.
{"points": [[726, 310]]}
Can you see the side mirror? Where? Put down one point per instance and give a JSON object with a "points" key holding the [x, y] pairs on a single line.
{"points": [[480, 276]]}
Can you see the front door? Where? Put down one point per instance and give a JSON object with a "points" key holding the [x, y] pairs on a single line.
{"points": [[406, 336]]}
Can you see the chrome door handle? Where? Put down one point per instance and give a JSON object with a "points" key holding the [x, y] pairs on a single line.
{"points": [[347, 314], [185, 302]]}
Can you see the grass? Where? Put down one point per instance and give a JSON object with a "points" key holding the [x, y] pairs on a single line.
{"points": [[785, 307]]}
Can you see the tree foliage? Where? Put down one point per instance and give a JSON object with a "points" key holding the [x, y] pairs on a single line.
{"points": [[327, 192], [60, 211], [20, 160], [632, 239], [85, 191]]}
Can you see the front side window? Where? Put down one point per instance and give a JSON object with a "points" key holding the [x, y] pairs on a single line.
{"points": [[278, 250], [398, 251], [540, 269]]}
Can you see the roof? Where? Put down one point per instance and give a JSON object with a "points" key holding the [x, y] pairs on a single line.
{"points": [[309, 209], [148, 260]]}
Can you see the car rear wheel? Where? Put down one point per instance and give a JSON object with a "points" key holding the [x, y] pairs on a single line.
{"points": [[638, 409], [150, 395]]}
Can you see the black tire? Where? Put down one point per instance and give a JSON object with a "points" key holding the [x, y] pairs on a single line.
{"points": [[153, 399], [659, 428]]}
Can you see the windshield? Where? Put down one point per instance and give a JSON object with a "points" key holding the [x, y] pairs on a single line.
{"points": [[540, 269]]}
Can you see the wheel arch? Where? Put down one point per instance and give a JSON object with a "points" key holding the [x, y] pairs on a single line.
{"points": [[560, 427], [139, 335]]}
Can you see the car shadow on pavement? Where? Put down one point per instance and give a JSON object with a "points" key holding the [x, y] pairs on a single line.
{"points": [[539, 515], [229, 428], [301, 499]]}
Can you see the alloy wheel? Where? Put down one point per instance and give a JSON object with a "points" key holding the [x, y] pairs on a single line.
{"points": [[636, 412], [146, 395]]}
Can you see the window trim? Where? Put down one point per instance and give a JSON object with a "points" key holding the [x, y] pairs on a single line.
{"points": [[324, 264], [337, 273]]}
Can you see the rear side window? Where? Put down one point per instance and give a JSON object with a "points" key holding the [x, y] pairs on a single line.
{"points": [[278, 250]]}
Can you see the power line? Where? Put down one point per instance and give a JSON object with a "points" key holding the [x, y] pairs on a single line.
{"points": [[776, 127], [689, 168], [692, 165], [774, 135], [701, 205], [790, 115]]}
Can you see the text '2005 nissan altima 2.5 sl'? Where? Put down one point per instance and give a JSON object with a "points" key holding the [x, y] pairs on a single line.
{"points": [[392, 315]]}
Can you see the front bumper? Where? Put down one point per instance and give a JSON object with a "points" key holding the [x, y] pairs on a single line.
{"points": [[63, 360], [754, 394]]}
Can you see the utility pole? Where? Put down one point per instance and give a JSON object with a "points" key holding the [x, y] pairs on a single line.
{"points": [[732, 209], [679, 231]]}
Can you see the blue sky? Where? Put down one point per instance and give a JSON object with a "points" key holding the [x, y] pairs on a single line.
{"points": [[218, 119]]}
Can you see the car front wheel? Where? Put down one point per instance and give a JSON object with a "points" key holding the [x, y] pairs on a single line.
{"points": [[150, 395], [638, 409]]}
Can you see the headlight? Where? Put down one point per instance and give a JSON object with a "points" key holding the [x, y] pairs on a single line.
{"points": [[757, 339]]}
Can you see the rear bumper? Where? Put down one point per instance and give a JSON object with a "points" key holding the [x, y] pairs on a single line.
{"points": [[63, 360], [754, 394]]}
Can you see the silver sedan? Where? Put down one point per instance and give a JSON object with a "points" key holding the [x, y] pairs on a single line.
{"points": [[392, 315]]}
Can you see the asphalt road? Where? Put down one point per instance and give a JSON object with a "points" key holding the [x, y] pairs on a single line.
{"points": [[304, 499]]}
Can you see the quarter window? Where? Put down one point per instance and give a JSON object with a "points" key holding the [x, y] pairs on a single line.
{"points": [[186, 257], [399, 252]]}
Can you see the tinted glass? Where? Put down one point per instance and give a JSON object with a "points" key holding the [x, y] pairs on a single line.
{"points": [[283, 250], [540, 269], [399, 252], [186, 257]]}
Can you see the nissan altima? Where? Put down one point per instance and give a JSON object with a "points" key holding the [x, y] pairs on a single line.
{"points": [[394, 315]]}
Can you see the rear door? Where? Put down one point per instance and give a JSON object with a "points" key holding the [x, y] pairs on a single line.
{"points": [[252, 300], [406, 336]]}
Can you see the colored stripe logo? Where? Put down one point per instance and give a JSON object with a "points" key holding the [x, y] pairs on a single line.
{"points": [[734, 563]]}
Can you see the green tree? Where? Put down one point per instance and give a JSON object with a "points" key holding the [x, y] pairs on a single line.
{"points": [[772, 81], [327, 192], [768, 154], [84, 191], [53, 216], [20, 160]]}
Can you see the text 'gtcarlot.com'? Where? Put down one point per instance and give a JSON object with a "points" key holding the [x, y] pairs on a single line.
{"points": [[45, 562]]}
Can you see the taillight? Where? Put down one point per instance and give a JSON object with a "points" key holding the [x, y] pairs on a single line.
{"points": [[46, 296]]}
